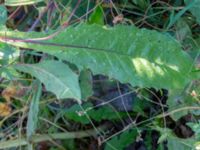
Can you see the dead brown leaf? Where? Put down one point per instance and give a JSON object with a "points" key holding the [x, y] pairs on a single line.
{"points": [[5, 109]]}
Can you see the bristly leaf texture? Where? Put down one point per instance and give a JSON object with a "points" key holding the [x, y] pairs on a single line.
{"points": [[141, 57]]}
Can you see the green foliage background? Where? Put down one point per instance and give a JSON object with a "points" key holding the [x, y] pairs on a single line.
{"points": [[155, 47]]}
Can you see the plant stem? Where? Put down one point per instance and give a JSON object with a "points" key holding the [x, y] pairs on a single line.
{"points": [[49, 137]]}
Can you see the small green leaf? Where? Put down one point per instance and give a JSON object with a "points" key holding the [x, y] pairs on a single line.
{"points": [[86, 84], [56, 76], [141, 3], [174, 18], [174, 143], [183, 31], [178, 101], [8, 55], [76, 114], [97, 16], [34, 109], [185, 99], [122, 141]]}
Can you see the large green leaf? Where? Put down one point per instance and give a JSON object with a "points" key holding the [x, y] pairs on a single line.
{"points": [[140, 57], [56, 76]]}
